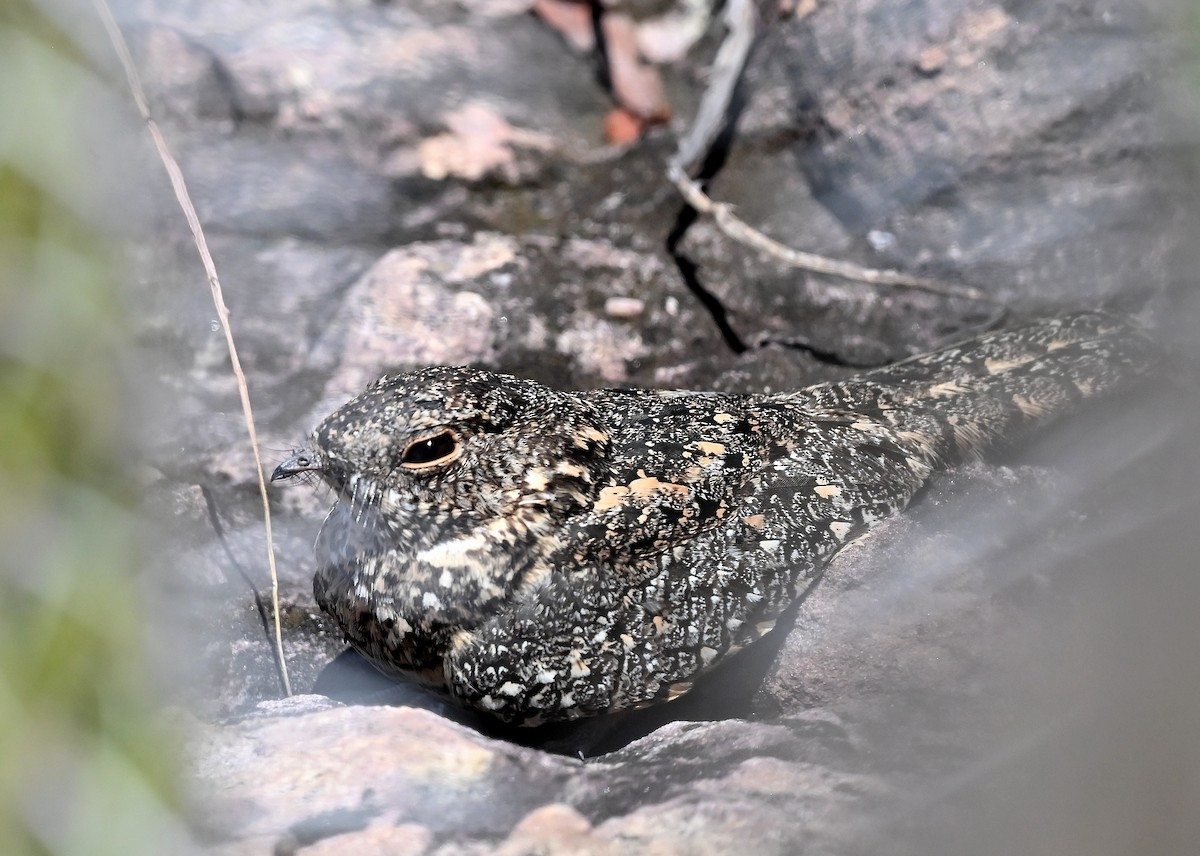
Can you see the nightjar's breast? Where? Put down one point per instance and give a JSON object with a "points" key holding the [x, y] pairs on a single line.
{"points": [[714, 521], [402, 591]]}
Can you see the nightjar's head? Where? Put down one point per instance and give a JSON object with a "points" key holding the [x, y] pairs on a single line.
{"points": [[446, 441], [451, 484]]}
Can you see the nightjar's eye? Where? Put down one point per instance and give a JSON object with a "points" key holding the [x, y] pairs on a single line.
{"points": [[432, 451]]}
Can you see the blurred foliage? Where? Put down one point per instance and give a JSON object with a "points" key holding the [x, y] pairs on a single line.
{"points": [[84, 768]]}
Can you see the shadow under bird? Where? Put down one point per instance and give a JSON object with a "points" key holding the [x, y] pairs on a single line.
{"points": [[544, 555]]}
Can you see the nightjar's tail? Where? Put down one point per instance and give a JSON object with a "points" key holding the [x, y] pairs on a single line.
{"points": [[969, 396]]}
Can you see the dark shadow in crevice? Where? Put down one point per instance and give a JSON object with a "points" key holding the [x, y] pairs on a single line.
{"points": [[829, 358], [603, 75], [689, 271], [718, 153]]}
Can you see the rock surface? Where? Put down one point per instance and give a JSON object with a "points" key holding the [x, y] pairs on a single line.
{"points": [[389, 184]]}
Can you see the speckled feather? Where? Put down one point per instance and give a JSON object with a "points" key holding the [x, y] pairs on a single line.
{"points": [[578, 553]]}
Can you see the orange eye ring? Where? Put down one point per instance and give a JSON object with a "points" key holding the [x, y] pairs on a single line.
{"points": [[430, 451]]}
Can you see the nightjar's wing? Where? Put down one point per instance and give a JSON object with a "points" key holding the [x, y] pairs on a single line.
{"points": [[725, 510], [845, 455], [826, 477], [676, 460]]}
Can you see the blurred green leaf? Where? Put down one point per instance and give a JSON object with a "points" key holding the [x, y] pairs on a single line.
{"points": [[85, 767]]}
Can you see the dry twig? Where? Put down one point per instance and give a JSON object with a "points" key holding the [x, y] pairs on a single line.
{"points": [[189, 211], [693, 148]]}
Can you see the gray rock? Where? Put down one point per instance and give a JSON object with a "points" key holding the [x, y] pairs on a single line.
{"points": [[388, 184]]}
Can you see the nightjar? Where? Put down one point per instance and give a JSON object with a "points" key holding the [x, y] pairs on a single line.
{"points": [[545, 555]]}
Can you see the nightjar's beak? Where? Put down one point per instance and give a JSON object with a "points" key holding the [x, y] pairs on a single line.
{"points": [[301, 462]]}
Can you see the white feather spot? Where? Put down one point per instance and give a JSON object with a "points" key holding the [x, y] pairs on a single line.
{"points": [[452, 554], [995, 366], [840, 529], [945, 389], [536, 480]]}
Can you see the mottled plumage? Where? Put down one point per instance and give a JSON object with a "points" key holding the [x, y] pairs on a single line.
{"points": [[546, 555]]}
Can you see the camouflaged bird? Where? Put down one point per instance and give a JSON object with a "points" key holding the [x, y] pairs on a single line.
{"points": [[545, 555]]}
